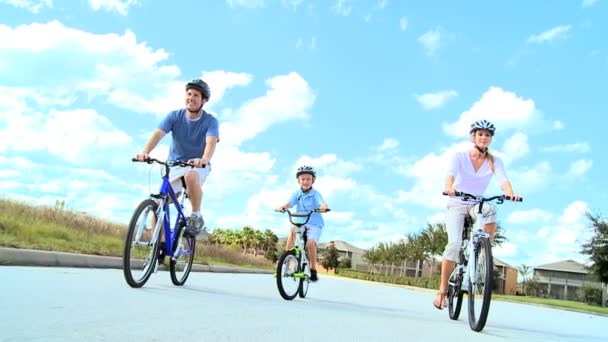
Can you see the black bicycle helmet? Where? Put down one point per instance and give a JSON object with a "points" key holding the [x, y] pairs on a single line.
{"points": [[201, 86], [306, 170]]}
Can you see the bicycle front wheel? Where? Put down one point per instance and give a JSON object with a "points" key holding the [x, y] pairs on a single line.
{"points": [[304, 282], [480, 293], [288, 281], [141, 247], [181, 266]]}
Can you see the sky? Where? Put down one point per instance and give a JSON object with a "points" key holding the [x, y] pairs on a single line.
{"points": [[375, 94]]}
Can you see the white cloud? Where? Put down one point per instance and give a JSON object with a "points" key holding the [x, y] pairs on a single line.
{"points": [[579, 147], [382, 4], [558, 125], [515, 147], [506, 249], [292, 3], [435, 100], [550, 35], [428, 174], [431, 41], [289, 98], [119, 6], [69, 134], [127, 73], [588, 3], [247, 3], [342, 7], [505, 109], [530, 179], [221, 81], [579, 167], [561, 239], [33, 6], [529, 216], [389, 144], [403, 23]]}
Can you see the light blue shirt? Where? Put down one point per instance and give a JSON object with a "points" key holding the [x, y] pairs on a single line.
{"points": [[306, 202], [188, 136]]}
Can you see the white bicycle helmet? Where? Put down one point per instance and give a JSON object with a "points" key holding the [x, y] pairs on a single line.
{"points": [[306, 170], [482, 124]]}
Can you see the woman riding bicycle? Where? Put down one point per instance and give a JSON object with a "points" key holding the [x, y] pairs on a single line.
{"points": [[469, 171]]}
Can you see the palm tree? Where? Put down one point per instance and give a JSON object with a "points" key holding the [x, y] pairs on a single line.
{"points": [[415, 250], [525, 271], [435, 238]]}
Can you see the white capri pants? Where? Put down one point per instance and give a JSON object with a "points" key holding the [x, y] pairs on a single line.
{"points": [[454, 224]]}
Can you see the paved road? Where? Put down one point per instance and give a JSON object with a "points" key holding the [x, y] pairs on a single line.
{"points": [[83, 304]]}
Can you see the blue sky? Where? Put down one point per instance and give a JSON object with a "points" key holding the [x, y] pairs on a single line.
{"points": [[373, 93]]}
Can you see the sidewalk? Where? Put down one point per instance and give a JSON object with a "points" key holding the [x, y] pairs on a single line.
{"points": [[30, 257]]}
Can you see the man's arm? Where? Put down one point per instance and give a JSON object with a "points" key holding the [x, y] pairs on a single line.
{"points": [[210, 143], [157, 135]]}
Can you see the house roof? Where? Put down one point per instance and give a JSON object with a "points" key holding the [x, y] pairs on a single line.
{"points": [[501, 263], [342, 246], [564, 266]]}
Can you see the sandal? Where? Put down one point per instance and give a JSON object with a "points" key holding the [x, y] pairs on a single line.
{"points": [[445, 304]]}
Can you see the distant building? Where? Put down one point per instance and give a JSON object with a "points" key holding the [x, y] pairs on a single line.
{"points": [[506, 280], [345, 250], [560, 280]]}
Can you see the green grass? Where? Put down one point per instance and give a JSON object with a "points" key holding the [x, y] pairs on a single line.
{"points": [[56, 229], [556, 303], [433, 283]]}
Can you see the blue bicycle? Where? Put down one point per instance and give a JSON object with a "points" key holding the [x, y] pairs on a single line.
{"points": [[143, 246]]}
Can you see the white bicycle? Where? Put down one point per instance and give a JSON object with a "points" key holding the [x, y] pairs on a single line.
{"points": [[293, 267], [474, 277]]}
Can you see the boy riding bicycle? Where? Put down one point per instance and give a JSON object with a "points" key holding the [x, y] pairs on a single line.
{"points": [[306, 199]]}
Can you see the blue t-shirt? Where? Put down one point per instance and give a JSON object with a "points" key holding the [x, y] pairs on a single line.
{"points": [[306, 202], [188, 136]]}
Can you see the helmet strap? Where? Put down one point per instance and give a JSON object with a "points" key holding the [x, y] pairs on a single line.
{"points": [[481, 149]]}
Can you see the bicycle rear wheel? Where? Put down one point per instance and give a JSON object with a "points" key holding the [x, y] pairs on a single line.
{"points": [[480, 293], [141, 248], [288, 282], [180, 267], [455, 294]]}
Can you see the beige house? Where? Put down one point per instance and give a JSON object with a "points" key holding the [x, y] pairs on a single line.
{"points": [[560, 280], [506, 280], [345, 250]]}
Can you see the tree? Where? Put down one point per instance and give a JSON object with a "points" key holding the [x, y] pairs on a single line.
{"points": [[416, 250], [330, 259], [499, 236], [597, 247], [373, 257], [434, 238], [524, 270]]}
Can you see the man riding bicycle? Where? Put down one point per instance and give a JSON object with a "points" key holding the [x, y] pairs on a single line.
{"points": [[195, 134]]}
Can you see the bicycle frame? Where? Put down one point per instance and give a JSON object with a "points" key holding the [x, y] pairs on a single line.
{"points": [[165, 194], [468, 270]]}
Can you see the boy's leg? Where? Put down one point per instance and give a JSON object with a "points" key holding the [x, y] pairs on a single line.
{"points": [[290, 238], [313, 234]]}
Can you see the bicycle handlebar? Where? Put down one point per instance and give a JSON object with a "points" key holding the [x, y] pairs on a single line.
{"points": [[301, 215], [168, 163], [500, 198]]}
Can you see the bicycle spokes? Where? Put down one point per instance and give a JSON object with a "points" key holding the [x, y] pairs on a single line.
{"points": [[480, 291]]}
